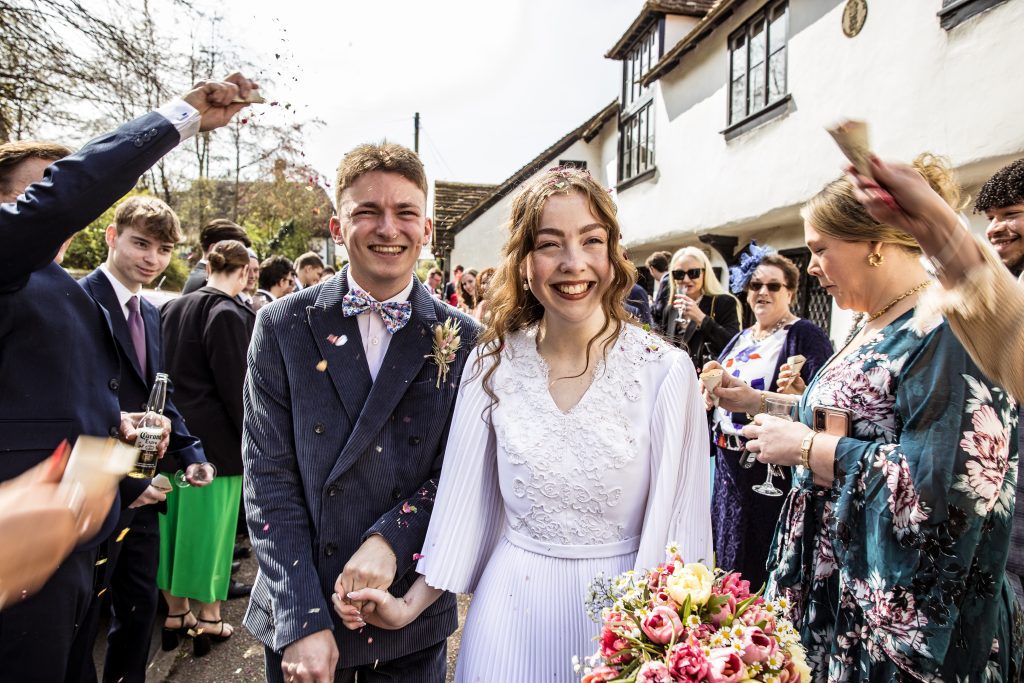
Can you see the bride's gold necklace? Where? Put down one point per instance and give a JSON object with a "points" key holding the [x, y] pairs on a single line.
{"points": [[910, 292]]}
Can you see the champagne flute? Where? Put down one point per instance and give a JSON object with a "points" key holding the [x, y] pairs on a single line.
{"points": [[199, 473], [777, 407]]}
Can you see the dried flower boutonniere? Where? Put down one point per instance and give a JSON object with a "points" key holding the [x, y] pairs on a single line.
{"points": [[446, 344]]}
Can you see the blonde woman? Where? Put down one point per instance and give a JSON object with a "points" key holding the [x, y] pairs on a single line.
{"points": [[578, 447], [891, 547], [693, 309]]}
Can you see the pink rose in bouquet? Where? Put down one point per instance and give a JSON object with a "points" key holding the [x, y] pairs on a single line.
{"points": [[612, 640], [757, 645], [686, 662], [662, 625], [601, 673], [756, 615], [721, 608], [654, 672], [725, 666], [734, 584]]}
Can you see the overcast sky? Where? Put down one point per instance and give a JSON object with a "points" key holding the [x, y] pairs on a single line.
{"points": [[495, 81]]}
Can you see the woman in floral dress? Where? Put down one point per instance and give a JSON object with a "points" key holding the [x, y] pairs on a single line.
{"points": [[892, 544]]}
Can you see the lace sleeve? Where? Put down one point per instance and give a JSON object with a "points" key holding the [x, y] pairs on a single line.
{"points": [[468, 516]]}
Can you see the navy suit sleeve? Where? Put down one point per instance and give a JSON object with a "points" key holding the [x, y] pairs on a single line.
{"points": [[74, 192], [184, 447], [275, 500]]}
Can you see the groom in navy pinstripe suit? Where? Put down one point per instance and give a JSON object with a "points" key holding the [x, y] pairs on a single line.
{"points": [[345, 425]]}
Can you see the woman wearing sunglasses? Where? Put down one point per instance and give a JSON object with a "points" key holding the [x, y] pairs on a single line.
{"points": [[743, 519], [693, 310]]}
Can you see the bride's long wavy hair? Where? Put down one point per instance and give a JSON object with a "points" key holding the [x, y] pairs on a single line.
{"points": [[513, 306]]}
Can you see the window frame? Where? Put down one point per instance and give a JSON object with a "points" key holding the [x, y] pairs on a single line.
{"points": [[763, 19], [636, 126]]}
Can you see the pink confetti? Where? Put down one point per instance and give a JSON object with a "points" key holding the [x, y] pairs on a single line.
{"points": [[417, 556], [369, 641], [266, 527]]}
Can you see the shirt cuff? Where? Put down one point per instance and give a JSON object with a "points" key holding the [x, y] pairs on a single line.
{"points": [[183, 116]]}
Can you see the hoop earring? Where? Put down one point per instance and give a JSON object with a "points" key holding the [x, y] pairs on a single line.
{"points": [[875, 259], [526, 285]]}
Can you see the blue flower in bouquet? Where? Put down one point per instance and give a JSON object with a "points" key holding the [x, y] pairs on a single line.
{"points": [[740, 275]]}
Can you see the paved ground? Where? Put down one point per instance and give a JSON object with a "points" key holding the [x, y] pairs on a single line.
{"points": [[238, 659]]}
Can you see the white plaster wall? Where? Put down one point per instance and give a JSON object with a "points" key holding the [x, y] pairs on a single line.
{"points": [[919, 86], [479, 244]]}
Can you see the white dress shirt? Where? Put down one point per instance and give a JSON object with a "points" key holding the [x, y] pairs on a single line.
{"points": [[120, 291], [374, 335], [183, 115]]}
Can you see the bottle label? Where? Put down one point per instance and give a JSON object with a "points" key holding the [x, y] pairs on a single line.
{"points": [[149, 438]]}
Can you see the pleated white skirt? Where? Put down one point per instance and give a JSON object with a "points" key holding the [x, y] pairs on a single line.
{"points": [[527, 618]]}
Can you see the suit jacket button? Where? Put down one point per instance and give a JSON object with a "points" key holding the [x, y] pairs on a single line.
{"points": [[114, 432], [396, 493], [332, 490], [318, 428], [114, 384], [330, 549], [414, 441]]}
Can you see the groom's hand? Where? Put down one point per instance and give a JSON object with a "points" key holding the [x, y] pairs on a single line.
{"points": [[312, 659], [372, 566]]}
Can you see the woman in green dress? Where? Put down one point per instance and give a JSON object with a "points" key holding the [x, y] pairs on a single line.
{"points": [[891, 547]]}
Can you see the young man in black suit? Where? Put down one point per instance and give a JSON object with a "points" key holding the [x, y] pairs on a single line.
{"points": [[63, 378], [140, 244]]}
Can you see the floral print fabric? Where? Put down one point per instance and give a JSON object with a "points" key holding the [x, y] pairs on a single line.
{"points": [[896, 571]]}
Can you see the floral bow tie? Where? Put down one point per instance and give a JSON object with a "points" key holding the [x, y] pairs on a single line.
{"points": [[395, 314]]}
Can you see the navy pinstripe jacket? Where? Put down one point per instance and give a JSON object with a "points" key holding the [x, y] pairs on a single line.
{"points": [[332, 457]]}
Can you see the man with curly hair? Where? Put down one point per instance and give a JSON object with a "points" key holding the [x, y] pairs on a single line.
{"points": [[1002, 200]]}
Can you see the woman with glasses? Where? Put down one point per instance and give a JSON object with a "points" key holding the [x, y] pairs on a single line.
{"points": [[891, 546], [742, 516], [693, 310]]}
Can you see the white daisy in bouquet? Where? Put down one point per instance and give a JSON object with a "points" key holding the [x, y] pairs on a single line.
{"points": [[684, 622]]}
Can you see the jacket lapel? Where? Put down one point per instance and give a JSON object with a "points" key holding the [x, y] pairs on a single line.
{"points": [[405, 357], [337, 338], [103, 292]]}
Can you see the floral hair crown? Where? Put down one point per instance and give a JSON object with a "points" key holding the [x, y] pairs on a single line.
{"points": [[740, 275], [558, 177]]}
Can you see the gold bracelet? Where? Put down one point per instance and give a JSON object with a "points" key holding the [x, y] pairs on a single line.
{"points": [[762, 407], [805, 449]]}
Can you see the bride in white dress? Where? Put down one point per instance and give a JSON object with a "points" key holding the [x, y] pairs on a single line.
{"points": [[578, 447]]}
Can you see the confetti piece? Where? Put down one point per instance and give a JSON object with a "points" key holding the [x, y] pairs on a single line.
{"points": [[379, 449], [321, 366], [417, 556], [406, 508], [369, 641], [101, 592], [295, 563], [315, 610], [124, 532], [238, 670], [337, 340], [266, 527], [101, 561]]}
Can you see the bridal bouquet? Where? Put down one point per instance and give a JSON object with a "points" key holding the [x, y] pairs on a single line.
{"points": [[683, 622]]}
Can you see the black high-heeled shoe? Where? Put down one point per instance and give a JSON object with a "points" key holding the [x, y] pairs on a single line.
{"points": [[201, 643], [169, 637]]}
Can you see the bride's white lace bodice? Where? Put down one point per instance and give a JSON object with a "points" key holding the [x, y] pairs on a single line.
{"points": [[578, 477]]}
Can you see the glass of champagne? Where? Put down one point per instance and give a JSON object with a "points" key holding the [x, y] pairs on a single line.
{"points": [[777, 407], [198, 472]]}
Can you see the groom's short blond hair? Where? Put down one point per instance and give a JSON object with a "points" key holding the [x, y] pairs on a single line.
{"points": [[384, 156]]}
